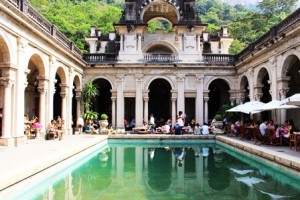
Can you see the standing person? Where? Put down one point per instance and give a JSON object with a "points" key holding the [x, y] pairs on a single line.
{"points": [[180, 119], [80, 124]]}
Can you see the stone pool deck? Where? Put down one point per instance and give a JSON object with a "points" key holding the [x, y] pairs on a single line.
{"points": [[19, 163]]}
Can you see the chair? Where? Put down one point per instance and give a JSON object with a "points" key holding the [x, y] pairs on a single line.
{"points": [[294, 142], [272, 137], [258, 137]]}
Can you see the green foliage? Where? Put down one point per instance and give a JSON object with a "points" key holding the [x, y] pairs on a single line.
{"points": [[273, 8], [159, 24], [213, 29], [90, 115], [218, 117], [104, 116], [74, 18], [89, 92], [236, 46]]}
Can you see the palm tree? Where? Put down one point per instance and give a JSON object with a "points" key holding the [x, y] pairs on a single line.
{"points": [[89, 92]]}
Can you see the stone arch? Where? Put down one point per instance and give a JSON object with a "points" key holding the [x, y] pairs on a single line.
{"points": [[147, 4], [243, 82], [218, 95], [230, 84], [39, 60], [5, 47], [77, 82], [60, 71], [103, 77], [260, 73], [147, 85], [165, 44], [287, 60], [244, 90]]}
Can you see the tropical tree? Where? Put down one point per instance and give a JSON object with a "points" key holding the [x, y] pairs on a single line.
{"points": [[89, 92]]}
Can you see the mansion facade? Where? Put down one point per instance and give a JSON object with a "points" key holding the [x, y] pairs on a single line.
{"points": [[139, 73]]}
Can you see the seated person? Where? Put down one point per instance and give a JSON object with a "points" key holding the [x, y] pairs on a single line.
{"points": [[189, 129], [205, 129], [197, 129], [52, 128], [166, 128], [177, 129], [233, 129], [263, 128]]}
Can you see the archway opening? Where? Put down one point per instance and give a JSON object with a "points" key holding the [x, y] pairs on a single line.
{"points": [[102, 103], [245, 92], [32, 95], [294, 87], [160, 9], [57, 101], [160, 99], [263, 81], [159, 24], [218, 96]]}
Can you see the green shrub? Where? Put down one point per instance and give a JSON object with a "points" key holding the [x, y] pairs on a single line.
{"points": [[218, 117], [104, 116]]}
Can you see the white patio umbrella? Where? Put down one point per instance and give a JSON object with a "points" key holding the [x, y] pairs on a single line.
{"points": [[292, 100], [275, 104], [249, 107]]}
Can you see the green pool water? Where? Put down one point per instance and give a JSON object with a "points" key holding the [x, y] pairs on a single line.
{"points": [[168, 170]]}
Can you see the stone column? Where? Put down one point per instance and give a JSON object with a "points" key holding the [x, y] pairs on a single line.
{"points": [[173, 99], [63, 95], [42, 106], [120, 101], [232, 100], [138, 100], [78, 104], [199, 99], [113, 112], [282, 93], [180, 88], [180, 42], [198, 42], [206, 99], [146, 101], [42, 103], [7, 108], [139, 39], [121, 42]]}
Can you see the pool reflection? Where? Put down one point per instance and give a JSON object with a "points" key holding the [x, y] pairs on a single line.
{"points": [[195, 171]]}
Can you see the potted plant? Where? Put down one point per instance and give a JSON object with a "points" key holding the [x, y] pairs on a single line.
{"points": [[218, 121], [103, 122]]}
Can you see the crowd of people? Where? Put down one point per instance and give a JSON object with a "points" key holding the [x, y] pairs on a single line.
{"points": [[181, 126]]}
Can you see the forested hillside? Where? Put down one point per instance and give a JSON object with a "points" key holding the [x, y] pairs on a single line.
{"points": [[74, 17]]}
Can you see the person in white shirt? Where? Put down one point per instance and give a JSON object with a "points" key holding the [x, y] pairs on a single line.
{"points": [[205, 129], [263, 128], [180, 119], [166, 128], [80, 124]]}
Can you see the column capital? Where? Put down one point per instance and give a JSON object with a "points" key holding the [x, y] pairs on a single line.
{"points": [[200, 78], [232, 99], [173, 99], [206, 99], [63, 94], [113, 99], [120, 77], [283, 91], [258, 96], [146, 99], [78, 98], [180, 77], [139, 77], [6, 82], [42, 90]]}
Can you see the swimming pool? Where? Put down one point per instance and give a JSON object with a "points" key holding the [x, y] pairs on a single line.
{"points": [[153, 169]]}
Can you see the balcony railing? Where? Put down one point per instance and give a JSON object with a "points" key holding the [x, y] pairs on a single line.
{"points": [[227, 59], [42, 22], [96, 58], [149, 57]]}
